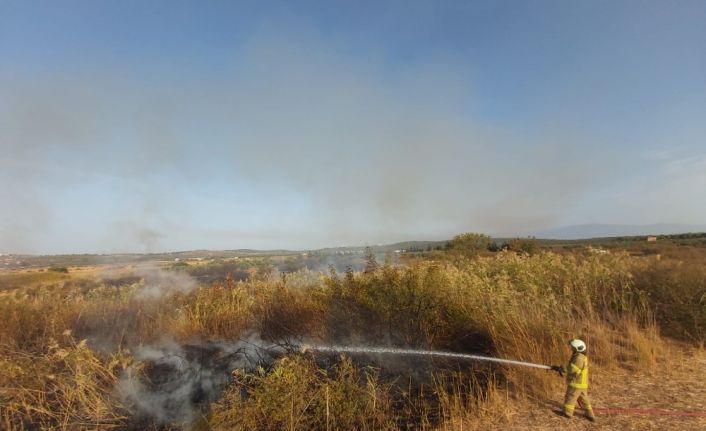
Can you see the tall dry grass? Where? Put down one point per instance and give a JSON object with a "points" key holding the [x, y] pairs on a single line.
{"points": [[67, 386], [297, 395], [508, 305]]}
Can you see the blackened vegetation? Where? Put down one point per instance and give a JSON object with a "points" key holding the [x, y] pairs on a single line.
{"points": [[385, 307], [175, 383], [391, 308], [415, 382]]}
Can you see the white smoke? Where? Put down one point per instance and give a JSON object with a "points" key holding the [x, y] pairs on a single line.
{"points": [[159, 283], [298, 128], [170, 382]]}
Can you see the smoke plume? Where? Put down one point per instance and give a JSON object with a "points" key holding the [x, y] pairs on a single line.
{"points": [[171, 382], [159, 283], [295, 142]]}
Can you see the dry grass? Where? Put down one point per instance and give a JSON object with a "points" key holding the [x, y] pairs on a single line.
{"points": [[508, 305], [296, 395], [468, 404], [220, 312], [65, 387]]}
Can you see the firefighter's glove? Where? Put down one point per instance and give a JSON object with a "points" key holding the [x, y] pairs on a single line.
{"points": [[559, 369]]}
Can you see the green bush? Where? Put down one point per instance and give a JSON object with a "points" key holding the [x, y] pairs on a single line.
{"points": [[469, 244]]}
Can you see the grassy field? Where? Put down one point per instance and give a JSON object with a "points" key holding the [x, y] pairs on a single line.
{"points": [[149, 346]]}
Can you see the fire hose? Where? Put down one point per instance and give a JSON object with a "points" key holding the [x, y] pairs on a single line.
{"points": [[645, 411], [559, 369]]}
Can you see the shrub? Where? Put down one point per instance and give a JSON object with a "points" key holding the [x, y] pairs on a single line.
{"points": [[60, 269], [297, 395], [65, 387], [523, 245], [469, 244], [222, 311], [677, 293], [282, 315]]}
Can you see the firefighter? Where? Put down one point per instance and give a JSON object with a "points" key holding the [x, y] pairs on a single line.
{"points": [[577, 381]]}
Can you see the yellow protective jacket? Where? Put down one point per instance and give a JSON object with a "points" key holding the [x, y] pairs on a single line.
{"points": [[577, 371]]}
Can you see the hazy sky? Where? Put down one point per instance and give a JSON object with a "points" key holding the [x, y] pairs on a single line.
{"points": [[147, 126]]}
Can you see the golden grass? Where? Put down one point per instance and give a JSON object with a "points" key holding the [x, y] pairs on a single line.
{"points": [[67, 386], [297, 395], [508, 305]]}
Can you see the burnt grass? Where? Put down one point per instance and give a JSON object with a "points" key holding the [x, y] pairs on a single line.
{"points": [[204, 370]]}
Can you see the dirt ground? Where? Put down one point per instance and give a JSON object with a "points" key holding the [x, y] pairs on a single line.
{"points": [[665, 392]]}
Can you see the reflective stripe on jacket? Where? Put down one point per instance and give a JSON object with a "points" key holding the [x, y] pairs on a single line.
{"points": [[577, 376]]}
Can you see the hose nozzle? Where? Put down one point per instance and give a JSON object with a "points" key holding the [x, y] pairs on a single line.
{"points": [[559, 369]]}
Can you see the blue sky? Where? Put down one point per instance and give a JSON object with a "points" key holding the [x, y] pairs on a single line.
{"points": [[145, 126]]}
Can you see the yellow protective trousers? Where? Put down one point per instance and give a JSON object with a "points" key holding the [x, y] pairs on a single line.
{"points": [[572, 396]]}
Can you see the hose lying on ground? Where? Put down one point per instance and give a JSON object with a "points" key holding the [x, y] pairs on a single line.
{"points": [[645, 411]]}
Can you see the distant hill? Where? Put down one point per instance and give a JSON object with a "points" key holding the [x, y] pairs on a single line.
{"points": [[573, 234], [382, 248], [614, 230]]}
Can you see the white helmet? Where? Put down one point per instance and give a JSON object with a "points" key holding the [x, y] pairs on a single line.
{"points": [[578, 345]]}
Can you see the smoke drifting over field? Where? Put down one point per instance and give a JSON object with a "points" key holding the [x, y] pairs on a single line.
{"points": [[295, 142], [170, 382], [159, 283], [348, 156]]}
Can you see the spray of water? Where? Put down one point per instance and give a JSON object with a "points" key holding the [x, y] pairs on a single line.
{"points": [[413, 352]]}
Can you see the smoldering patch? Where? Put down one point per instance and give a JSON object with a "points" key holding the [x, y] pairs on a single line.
{"points": [[173, 383], [159, 283]]}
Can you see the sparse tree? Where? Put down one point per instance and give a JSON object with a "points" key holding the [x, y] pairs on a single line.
{"points": [[371, 264], [469, 244], [495, 247], [527, 245]]}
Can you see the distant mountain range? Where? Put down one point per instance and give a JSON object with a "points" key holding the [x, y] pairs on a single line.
{"points": [[611, 230]]}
